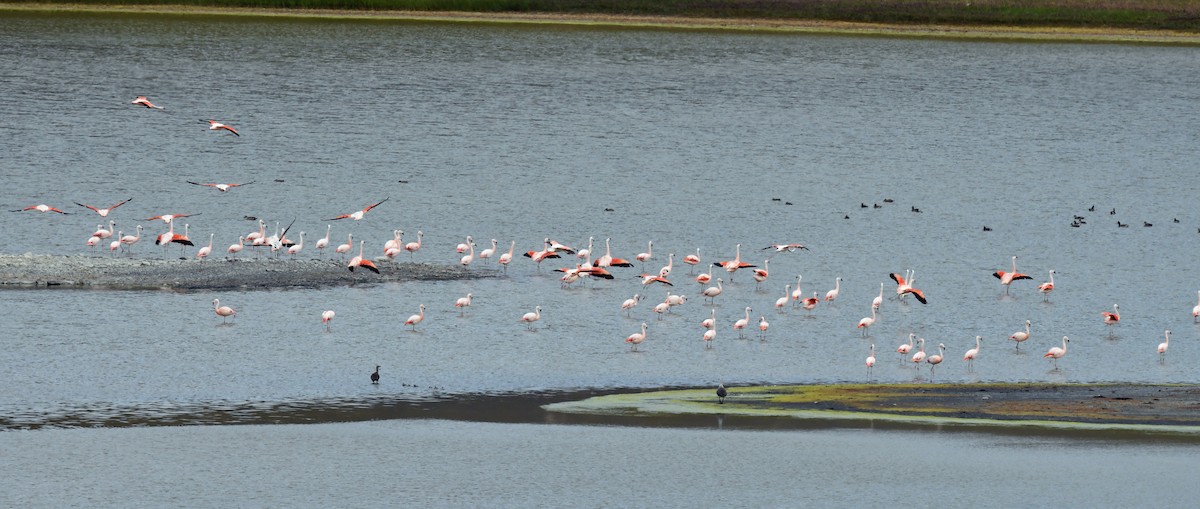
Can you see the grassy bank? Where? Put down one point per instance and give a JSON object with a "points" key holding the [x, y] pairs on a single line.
{"points": [[1172, 15]]}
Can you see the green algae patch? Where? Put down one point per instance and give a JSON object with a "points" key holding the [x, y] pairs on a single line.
{"points": [[1172, 409]]}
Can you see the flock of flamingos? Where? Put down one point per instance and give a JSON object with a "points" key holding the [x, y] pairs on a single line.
{"points": [[588, 264]]}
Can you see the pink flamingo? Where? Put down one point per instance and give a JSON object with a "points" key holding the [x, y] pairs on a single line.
{"points": [[462, 304], [417, 318], [506, 258], [1111, 319], [760, 275], [936, 358], [736, 263], [1021, 336], [465, 261], [972, 353], [636, 338], [1057, 353], [867, 322], [919, 357], [359, 261], [237, 248], [323, 242], [903, 349], [1162, 347], [643, 257], [529, 318], [762, 327], [295, 249], [608, 260], [103, 212], [782, 301], [693, 260], [878, 300], [630, 303], [204, 251], [1196, 310], [213, 125], [223, 311], [462, 247], [712, 292], [703, 279], [342, 249], [143, 101], [487, 253], [327, 318], [42, 208], [810, 303], [832, 295], [413, 247], [130, 240], [742, 323], [1006, 278], [358, 214], [220, 187], [871, 360], [711, 321], [1047, 287]]}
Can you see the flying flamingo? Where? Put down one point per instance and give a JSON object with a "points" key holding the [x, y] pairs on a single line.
{"points": [[359, 261], [867, 322], [103, 212], [1006, 278], [712, 292], [413, 247], [1111, 319], [742, 323], [42, 208], [693, 260], [837, 289], [237, 248], [142, 100], [919, 357], [220, 187], [1020, 336], [762, 327], [327, 318], [204, 251], [650, 278], [487, 253], [903, 349], [130, 240], [878, 301], [529, 318], [636, 338], [782, 301], [223, 311], [936, 358], [760, 275], [462, 247], [779, 248], [342, 249], [1047, 287], [213, 125], [972, 353], [358, 214], [167, 218], [630, 303], [643, 257], [505, 258], [462, 304], [323, 242], [871, 360], [557, 246], [417, 318], [736, 263], [1057, 353], [1162, 347], [294, 249]]}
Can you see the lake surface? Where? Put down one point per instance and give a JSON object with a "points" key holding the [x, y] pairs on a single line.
{"points": [[693, 140]]}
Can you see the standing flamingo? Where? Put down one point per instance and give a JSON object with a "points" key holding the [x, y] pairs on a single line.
{"points": [[583, 254], [643, 257], [871, 360], [867, 322], [704, 278], [1111, 319], [342, 249], [636, 338], [736, 263], [709, 336], [1196, 310], [295, 249], [693, 260], [761, 275], [1020, 336], [742, 323], [797, 292], [1047, 287], [114, 245], [712, 292], [529, 318], [782, 301], [630, 303], [711, 321], [972, 353], [666, 270], [462, 247], [462, 304], [417, 318], [762, 327], [223, 311], [1162, 347], [608, 261], [465, 261], [327, 318], [359, 261], [506, 257], [1057, 353], [237, 248], [487, 253], [936, 358], [323, 242], [1006, 278], [878, 301], [204, 251], [810, 303], [413, 247], [919, 357], [130, 240], [832, 295], [903, 349]]}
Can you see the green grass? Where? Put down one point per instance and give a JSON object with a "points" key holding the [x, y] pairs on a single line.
{"points": [[1181, 15]]}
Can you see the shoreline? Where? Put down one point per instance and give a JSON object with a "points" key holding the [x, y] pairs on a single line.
{"points": [[753, 25]]}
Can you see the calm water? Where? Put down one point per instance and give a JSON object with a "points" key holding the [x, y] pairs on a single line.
{"points": [[522, 133]]}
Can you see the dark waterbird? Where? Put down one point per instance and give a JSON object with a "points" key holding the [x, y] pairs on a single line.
{"points": [[721, 393], [375, 376]]}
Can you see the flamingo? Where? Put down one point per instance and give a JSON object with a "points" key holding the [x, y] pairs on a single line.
{"points": [[204, 251], [904, 348], [871, 360], [413, 247], [342, 249], [902, 283], [643, 257], [375, 376], [650, 278], [505, 258], [1048, 287], [693, 260], [223, 311], [103, 212], [1111, 319], [112, 246], [1006, 278], [462, 304], [254, 237], [709, 336], [487, 253], [972, 353], [760, 275], [130, 240], [327, 318], [393, 246], [529, 318], [703, 279], [1057, 353], [608, 261], [220, 187], [742, 323], [323, 242], [142, 100], [295, 249], [93, 241], [465, 261], [762, 327], [919, 357], [797, 292], [878, 301], [904, 288], [417, 318], [1021, 336], [104, 234], [666, 270], [539, 256], [779, 248], [867, 322], [167, 218], [1196, 310], [462, 247], [213, 125], [42, 208], [237, 248], [811, 303], [711, 321], [712, 292], [358, 214], [1162, 347], [557, 246], [782, 301], [662, 308], [936, 358], [636, 338], [585, 253], [736, 263], [359, 261], [832, 295], [630, 303]]}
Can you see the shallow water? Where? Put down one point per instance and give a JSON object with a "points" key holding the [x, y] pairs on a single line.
{"points": [[688, 137]]}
